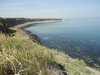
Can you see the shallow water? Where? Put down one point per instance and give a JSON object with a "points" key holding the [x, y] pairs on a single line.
{"points": [[77, 37]]}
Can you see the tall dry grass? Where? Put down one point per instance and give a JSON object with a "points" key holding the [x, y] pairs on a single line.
{"points": [[21, 56]]}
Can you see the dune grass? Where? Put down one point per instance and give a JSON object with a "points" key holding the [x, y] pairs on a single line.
{"points": [[15, 50], [21, 56]]}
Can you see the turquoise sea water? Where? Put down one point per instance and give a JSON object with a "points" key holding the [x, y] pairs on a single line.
{"points": [[80, 38]]}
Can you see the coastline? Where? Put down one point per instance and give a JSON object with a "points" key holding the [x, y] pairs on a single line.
{"points": [[31, 36], [23, 48], [37, 40]]}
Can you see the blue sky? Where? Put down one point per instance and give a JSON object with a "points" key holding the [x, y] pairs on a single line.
{"points": [[50, 8]]}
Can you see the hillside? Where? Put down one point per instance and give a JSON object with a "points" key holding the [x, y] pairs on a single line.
{"points": [[19, 55]]}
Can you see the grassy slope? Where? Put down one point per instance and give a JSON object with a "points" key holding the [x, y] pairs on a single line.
{"points": [[18, 54]]}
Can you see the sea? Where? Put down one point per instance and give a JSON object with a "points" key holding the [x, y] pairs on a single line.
{"points": [[77, 37]]}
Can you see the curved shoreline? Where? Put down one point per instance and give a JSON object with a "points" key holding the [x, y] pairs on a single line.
{"points": [[54, 55], [36, 39], [33, 37]]}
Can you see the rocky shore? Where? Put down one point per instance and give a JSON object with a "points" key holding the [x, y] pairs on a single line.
{"points": [[33, 37]]}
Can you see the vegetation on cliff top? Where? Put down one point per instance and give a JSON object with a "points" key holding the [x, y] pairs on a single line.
{"points": [[21, 56]]}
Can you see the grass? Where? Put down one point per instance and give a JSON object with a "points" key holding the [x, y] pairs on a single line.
{"points": [[21, 56]]}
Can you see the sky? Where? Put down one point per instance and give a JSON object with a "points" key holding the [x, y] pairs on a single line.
{"points": [[50, 8]]}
